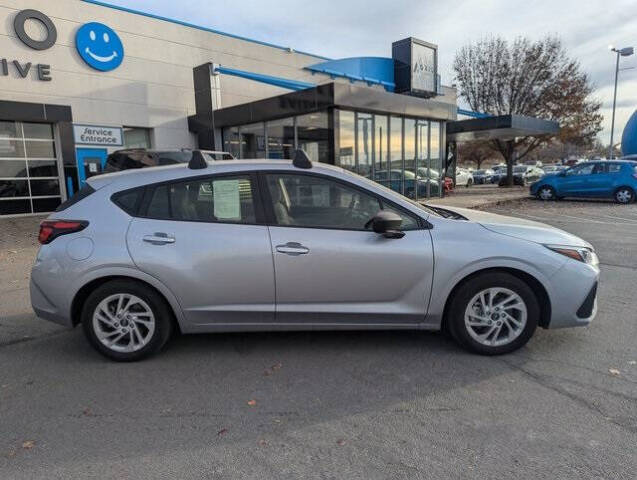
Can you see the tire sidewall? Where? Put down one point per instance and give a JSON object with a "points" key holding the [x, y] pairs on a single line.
{"points": [[469, 289], [161, 312]]}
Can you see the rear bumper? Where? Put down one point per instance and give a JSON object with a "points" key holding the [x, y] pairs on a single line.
{"points": [[44, 307]]}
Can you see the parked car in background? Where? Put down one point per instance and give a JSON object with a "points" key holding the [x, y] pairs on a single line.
{"points": [[551, 169], [522, 175], [616, 179], [141, 158], [483, 176], [260, 245], [463, 178]]}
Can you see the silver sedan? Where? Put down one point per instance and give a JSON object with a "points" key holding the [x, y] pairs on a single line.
{"points": [[278, 245]]}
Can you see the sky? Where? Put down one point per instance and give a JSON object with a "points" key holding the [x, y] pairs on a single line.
{"points": [[347, 28]]}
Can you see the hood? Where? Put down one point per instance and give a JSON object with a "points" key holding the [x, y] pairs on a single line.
{"points": [[521, 228]]}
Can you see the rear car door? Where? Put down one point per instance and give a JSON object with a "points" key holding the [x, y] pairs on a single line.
{"points": [[206, 240], [329, 268]]}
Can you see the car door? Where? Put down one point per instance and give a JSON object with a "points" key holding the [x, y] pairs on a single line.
{"points": [[330, 269], [576, 180], [599, 180], [205, 238]]}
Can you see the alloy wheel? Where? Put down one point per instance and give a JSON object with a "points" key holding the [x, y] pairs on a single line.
{"points": [[546, 193], [624, 195], [495, 316], [124, 322]]}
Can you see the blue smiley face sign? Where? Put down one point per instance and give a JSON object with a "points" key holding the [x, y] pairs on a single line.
{"points": [[99, 46]]}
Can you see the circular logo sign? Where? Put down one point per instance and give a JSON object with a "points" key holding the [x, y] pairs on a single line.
{"points": [[99, 46]]}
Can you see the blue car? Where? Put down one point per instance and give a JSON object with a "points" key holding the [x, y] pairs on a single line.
{"points": [[616, 179]]}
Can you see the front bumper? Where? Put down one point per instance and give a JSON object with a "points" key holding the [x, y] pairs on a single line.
{"points": [[574, 295]]}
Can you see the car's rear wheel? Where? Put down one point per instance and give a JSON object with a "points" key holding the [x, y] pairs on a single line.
{"points": [[469, 183], [624, 195], [493, 313], [126, 320], [546, 192]]}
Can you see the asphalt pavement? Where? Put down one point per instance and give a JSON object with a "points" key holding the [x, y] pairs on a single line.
{"points": [[333, 404]]}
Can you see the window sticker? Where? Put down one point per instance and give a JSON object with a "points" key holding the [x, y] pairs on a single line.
{"points": [[227, 204]]}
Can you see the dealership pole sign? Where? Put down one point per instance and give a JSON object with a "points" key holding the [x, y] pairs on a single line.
{"points": [[97, 44], [415, 67]]}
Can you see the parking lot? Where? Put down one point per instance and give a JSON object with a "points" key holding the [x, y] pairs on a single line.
{"points": [[329, 404]]}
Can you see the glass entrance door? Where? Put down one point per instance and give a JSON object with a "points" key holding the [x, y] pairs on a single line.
{"points": [[29, 169]]}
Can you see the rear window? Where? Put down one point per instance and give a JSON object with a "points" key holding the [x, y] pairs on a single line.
{"points": [[84, 192], [128, 200]]}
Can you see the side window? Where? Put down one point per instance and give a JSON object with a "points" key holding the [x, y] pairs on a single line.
{"points": [[614, 168], [128, 200], [221, 199], [599, 168], [586, 169], [309, 201]]}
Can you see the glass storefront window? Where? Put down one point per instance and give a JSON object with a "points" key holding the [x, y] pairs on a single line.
{"points": [[345, 140], [396, 153], [280, 138], [422, 156], [313, 136], [436, 156], [135, 137], [381, 149], [364, 143], [253, 140], [412, 185], [231, 141]]}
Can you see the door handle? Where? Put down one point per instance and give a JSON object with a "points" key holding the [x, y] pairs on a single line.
{"points": [[292, 248], [158, 238]]}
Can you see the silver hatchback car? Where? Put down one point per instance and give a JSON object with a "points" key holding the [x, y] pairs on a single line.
{"points": [[279, 245]]}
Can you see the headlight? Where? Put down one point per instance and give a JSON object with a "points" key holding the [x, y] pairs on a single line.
{"points": [[581, 254]]}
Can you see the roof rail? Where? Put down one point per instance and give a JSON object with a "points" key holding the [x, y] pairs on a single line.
{"points": [[301, 160], [197, 161]]}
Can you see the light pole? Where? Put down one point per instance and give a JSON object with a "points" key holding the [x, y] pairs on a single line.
{"points": [[621, 52]]}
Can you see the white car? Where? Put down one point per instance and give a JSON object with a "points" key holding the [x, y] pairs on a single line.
{"points": [[463, 177]]}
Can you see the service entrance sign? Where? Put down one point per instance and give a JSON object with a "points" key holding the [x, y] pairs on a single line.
{"points": [[97, 135]]}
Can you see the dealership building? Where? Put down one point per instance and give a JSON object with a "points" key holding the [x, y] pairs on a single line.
{"points": [[80, 79]]}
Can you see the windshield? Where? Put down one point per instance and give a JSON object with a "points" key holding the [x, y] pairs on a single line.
{"points": [[519, 169]]}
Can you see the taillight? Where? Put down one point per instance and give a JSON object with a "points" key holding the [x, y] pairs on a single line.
{"points": [[51, 229]]}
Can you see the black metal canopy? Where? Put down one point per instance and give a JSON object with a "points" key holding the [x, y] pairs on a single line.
{"points": [[501, 127]]}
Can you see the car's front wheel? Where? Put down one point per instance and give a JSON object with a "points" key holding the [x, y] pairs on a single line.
{"points": [[546, 192], [493, 313], [624, 195], [126, 320]]}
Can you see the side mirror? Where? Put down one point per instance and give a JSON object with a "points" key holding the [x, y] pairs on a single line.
{"points": [[386, 223]]}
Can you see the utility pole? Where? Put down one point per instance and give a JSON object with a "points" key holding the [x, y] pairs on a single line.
{"points": [[623, 52]]}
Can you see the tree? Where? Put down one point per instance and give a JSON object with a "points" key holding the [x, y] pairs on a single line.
{"points": [[476, 152], [537, 79]]}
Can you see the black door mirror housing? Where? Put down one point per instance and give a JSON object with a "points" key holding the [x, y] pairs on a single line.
{"points": [[387, 224]]}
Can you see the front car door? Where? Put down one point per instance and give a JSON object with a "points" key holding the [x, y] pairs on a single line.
{"points": [[205, 238], [576, 180], [330, 269]]}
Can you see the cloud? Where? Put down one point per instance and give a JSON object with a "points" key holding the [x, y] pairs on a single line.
{"points": [[341, 29]]}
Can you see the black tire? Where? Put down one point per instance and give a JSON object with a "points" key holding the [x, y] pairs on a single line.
{"points": [[469, 183], [547, 188], [164, 321], [455, 321], [624, 195]]}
